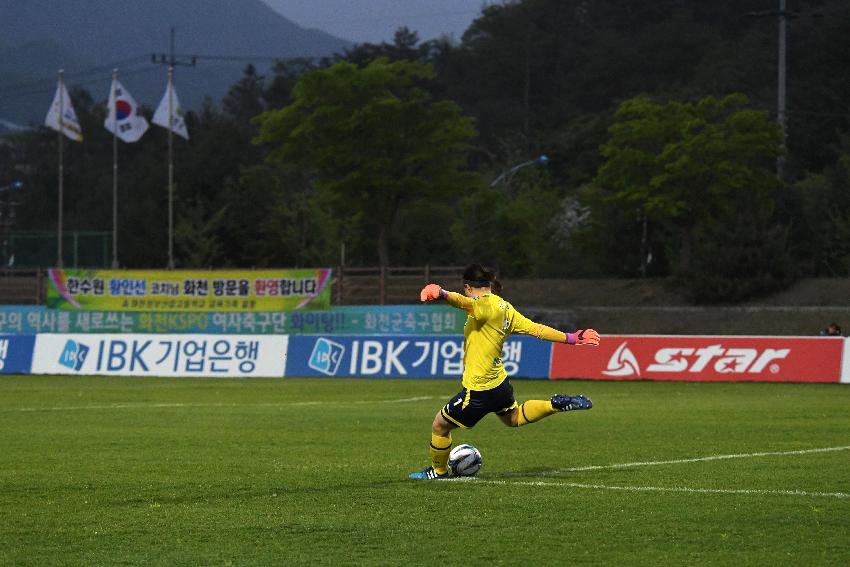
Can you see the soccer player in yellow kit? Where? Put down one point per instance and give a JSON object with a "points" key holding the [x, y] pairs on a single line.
{"points": [[486, 388]]}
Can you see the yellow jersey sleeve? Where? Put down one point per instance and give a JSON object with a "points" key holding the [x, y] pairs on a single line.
{"points": [[522, 325], [460, 301], [478, 310]]}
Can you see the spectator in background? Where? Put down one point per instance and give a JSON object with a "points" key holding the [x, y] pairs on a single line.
{"points": [[832, 330]]}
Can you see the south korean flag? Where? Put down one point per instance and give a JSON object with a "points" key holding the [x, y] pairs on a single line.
{"points": [[123, 118]]}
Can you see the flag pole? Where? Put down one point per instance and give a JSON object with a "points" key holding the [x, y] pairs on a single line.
{"points": [[114, 111], [171, 166], [61, 171]]}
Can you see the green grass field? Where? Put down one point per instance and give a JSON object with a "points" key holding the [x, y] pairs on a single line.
{"points": [[107, 471]]}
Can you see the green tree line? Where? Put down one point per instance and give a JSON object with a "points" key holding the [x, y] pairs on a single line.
{"points": [[658, 120]]}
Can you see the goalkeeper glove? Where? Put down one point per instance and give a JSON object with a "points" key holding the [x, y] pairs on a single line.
{"points": [[583, 337], [431, 292]]}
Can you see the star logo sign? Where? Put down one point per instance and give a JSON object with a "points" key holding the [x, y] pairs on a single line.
{"points": [[622, 362]]}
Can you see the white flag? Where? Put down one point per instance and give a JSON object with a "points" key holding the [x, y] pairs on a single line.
{"points": [[160, 117], [70, 126], [122, 113]]}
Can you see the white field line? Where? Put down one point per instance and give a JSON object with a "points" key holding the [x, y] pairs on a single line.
{"points": [[156, 405], [694, 460], [725, 491], [682, 489]]}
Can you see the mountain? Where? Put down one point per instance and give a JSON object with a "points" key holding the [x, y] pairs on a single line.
{"points": [[87, 38]]}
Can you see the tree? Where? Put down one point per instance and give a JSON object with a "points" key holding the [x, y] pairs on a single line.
{"points": [[197, 243], [244, 100], [375, 140], [403, 47], [739, 256], [685, 167], [826, 219], [510, 225], [278, 93], [273, 219]]}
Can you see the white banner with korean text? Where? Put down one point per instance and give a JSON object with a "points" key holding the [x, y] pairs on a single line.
{"points": [[161, 355]]}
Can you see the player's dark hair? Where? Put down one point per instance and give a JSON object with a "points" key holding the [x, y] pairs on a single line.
{"points": [[475, 275]]}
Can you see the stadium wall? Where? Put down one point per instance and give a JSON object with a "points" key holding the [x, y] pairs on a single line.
{"points": [[620, 357]]}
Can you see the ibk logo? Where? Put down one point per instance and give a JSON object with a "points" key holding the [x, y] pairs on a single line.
{"points": [[622, 363], [710, 358], [73, 355], [326, 356]]}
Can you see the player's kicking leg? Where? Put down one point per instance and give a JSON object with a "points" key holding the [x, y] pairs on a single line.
{"points": [[532, 411]]}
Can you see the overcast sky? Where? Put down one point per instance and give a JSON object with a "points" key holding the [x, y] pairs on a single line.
{"points": [[375, 21]]}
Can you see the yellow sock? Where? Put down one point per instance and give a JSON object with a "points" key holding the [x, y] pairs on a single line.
{"points": [[440, 449], [534, 410]]}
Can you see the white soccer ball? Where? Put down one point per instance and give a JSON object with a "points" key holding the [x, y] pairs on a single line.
{"points": [[465, 460]]}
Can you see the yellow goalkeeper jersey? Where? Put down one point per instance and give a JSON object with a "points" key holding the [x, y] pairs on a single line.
{"points": [[490, 320]]}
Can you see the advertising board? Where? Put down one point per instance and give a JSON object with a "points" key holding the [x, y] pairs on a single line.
{"points": [[16, 353], [703, 358], [406, 356], [160, 355]]}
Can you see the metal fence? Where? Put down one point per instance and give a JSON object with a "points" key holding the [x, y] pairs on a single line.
{"points": [[37, 248], [389, 285], [22, 286]]}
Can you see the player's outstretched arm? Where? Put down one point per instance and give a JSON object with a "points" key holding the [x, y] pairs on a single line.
{"points": [[583, 337], [580, 338], [524, 325], [433, 292]]}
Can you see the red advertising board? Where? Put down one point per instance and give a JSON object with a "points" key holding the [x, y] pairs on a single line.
{"points": [[702, 358]]}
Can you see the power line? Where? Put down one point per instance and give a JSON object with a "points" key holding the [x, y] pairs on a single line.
{"points": [[387, 18], [49, 85], [823, 114], [75, 74], [101, 73], [242, 58]]}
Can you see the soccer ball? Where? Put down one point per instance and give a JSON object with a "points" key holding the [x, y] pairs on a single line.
{"points": [[465, 460]]}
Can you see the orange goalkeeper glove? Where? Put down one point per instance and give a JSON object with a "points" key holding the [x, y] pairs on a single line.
{"points": [[583, 337], [432, 292]]}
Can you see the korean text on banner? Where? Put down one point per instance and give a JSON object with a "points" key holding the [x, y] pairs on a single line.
{"points": [[161, 355], [259, 290], [345, 320], [406, 356], [703, 358]]}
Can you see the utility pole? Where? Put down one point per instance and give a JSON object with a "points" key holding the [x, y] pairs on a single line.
{"points": [[172, 61], [782, 62], [170, 58], [780, 90]]}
